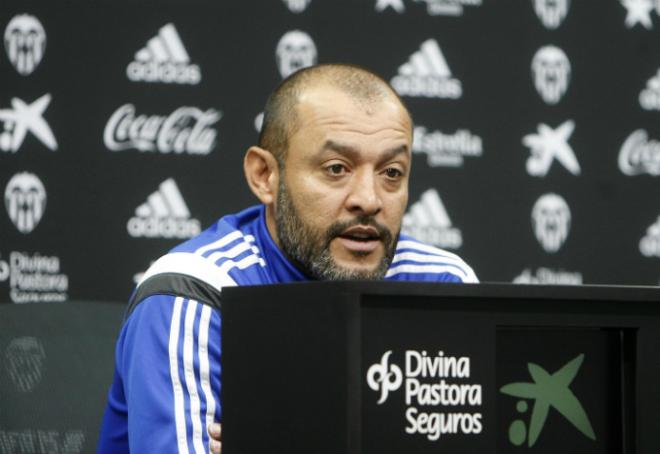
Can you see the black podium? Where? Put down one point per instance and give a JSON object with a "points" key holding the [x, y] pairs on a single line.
{"points": [[379, 367]]}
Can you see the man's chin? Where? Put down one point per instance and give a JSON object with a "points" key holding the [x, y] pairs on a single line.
{"points": [[352, 274], [360, 266]]}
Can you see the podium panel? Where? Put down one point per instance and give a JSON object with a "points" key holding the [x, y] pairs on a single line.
{"points": [[56, 366], [404, 367]]}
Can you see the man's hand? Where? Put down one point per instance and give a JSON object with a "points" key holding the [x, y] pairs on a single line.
{"points": [[215, 432]]}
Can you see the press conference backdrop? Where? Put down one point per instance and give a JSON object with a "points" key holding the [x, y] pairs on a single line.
{"points": [[123, 127]]}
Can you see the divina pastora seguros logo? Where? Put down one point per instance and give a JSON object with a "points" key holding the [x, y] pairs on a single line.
{"points": [[33, 278], [431, 383]]}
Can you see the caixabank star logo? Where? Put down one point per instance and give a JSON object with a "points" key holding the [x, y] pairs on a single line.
{"points": [[547, 391], [23, 117]]}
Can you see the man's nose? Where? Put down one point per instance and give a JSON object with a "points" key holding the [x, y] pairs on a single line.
{"points": [[364, 197]]}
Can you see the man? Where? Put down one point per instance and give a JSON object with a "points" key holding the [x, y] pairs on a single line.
{"points": [[331, 171]]}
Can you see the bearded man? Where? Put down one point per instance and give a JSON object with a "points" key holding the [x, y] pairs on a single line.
{"points": [[331, 172]]}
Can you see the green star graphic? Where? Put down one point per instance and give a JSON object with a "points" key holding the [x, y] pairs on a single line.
{"points": [[552, 391]]}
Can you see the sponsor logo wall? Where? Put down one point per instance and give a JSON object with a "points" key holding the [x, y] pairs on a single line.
{"points": [[649, 245], [127, 140], [639, 13], [649, 97], [426, 74], [427, 220], [548, 276], [33, 277], [25, 200], [551, 13], [640, 155], [433, 7], [186, 130], [164, 59], [297, 6], [25, 43], [551, 218], [163, 215], [295, 50], [446, 149], [550, 144], [551, 70], [23, 118]]}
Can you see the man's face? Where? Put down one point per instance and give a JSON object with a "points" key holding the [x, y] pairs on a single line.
{"points": [[344, 187]]}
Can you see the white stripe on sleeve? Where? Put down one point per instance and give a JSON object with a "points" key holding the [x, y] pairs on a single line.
{"points": [[190, 265], [179, 416], [427, 259], [224, 241], [191, 383], [233, 252], [204, 369], [463, 275], [408, 244]]}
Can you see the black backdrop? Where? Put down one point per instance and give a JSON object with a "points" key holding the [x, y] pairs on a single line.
{"points": [[471, 190]]}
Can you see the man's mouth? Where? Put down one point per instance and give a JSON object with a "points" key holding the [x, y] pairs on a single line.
{"points": [[360, 239]]}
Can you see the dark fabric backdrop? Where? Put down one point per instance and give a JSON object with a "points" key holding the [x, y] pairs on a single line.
{"points": [[86, 209]]}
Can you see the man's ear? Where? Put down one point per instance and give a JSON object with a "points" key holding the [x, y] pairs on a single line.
{"points": [[262, 174]]}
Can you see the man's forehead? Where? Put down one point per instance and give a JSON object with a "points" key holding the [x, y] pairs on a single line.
{"points": [[311, 92], [321, 103]]}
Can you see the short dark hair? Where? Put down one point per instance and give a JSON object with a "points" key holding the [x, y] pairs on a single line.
{"points": [[280, 114]]}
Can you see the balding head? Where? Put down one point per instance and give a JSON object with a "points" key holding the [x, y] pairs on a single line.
{"points": [[281, 112]]}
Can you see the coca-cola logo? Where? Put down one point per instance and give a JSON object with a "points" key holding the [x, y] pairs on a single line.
{"points": [[186, 130], [640, 155]]}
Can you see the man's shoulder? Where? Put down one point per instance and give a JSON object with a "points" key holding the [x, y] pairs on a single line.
{"points": [[417, 261], [224, 231], [224, 255]]}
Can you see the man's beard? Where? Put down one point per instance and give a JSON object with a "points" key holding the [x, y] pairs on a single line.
{"points": [[310, 250]]}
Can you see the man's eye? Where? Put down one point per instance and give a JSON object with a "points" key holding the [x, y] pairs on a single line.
{"points": [[336, 169], [393, 173]]}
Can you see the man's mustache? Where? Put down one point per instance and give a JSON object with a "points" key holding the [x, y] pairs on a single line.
{"points": [[339, 227]]}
